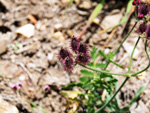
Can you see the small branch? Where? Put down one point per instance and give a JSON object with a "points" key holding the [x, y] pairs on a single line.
{"points": [[127, 78], [130, 62], [99, 111], [84, 30], [101, 71], [134, 74]]}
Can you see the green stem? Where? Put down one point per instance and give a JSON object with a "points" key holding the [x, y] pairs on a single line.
{"points": [[126, 37], [101, 71], [123, 41], [127, 78], [134, 74], [131, 57], [98, 111], [119, 74]]}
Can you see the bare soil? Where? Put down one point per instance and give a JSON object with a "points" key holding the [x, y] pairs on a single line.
{"points": [[34, 62]]}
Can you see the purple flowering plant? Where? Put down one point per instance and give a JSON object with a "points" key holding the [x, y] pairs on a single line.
{"points": [[96, 79], [81, 55]]}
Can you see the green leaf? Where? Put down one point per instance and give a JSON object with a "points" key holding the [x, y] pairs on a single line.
{"points": [[116, 64], [94, 49], [91, 64], [100, 65], [87, 73], [91, 110], [71, 1], [129, 6], [84, 79], [96, 11], [111, 54], [125, 109], [138, 94], [128, 9], [94, 55], [72, 85], [87, 86], [103, 54], [112, 81]]}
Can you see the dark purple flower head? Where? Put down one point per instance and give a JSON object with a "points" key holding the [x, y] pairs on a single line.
{"points": [[74, 44], [20, 85], [63, 53], [142, 28], [140, 16], [68, 64], [14, 87], [83, 48], [46, 88], [83, 58], [136, 2], [147, 32], [143, 10]]}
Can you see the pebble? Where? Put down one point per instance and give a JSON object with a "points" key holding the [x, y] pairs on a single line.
{"points": [[70, 33], [59, 36], [82, 13], [58, 26], [77, 2], [5, 107], [110, 21], [86, 4], [26, 30], [65, 2], [3, 47], [50, 56], [96, 21]]}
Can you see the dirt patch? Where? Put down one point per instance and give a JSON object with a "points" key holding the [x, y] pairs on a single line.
{"points": [[34, 62]]}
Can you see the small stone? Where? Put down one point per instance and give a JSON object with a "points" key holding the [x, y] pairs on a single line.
{"points": [[65, 2], [50, 56], [86, 4], [142, 75], [110, 21], [58, 26], [70, 33], [26, 30], [22, 78], [77, 2], [5, 107], [96, 21], [7, 3], [31, 65], [129, 47], [82, 13], [59, 36], [3, 47]]}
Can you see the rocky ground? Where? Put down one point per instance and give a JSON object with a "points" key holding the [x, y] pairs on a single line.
{"points": [[31, 58]]}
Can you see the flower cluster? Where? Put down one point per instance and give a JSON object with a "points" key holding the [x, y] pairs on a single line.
{"points": [[81, 54], [143, 8], [143, 14], [15, 87], [46, 88], [144, 30]]}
